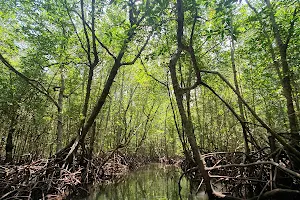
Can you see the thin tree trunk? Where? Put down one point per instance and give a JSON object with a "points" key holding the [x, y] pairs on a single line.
{"points": [[91, 49], [60, 110], [9, 141], [92, 140], [237, 88], [201, 132], [119, 118], [179, 132], [107, 86], [286, 79]]}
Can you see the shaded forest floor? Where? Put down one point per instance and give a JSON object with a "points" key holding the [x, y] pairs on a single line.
{"points": [[43, 179]]}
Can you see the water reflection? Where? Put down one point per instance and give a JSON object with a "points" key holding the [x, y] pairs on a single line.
{"points": [[151, 182]]}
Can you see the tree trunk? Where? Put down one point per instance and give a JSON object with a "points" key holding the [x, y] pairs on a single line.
{"points": [[92, 141], [237, 88], [60, 110], [9, 141], [186, 121], [286, 79], [119, 119], [187, 124], [179, 132]]}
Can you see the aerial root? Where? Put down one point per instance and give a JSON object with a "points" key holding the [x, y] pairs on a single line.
{"points": [[263, 177]]}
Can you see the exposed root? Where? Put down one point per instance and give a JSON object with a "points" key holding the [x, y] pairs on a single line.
{"points": [[46, 179], [265, 176], [37, 179], [55, 179]]}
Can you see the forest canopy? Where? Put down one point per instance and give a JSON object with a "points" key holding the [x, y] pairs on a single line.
{"points": [[57, 55]]}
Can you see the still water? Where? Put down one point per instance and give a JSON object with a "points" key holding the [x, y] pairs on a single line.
{"points": [[154, 181]]}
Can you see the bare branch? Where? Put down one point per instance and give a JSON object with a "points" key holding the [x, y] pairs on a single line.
{"points": [[162, 83], [226, 104], [194, 24], [96, 58], [180, 20], [103, 45], [76, 32], [210, 49], [186, 89], [238, 178], [140, 51]]}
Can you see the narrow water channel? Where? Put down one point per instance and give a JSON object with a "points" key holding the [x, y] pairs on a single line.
{"points": [[154, 181]]}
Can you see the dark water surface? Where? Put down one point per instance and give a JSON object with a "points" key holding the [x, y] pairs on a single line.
{"points": [[150, 182]]}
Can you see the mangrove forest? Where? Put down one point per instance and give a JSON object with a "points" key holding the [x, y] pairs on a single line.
{"points": [[150, 99]]}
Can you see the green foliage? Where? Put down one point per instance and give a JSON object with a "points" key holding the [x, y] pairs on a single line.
{"points": [[38, 37]]}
